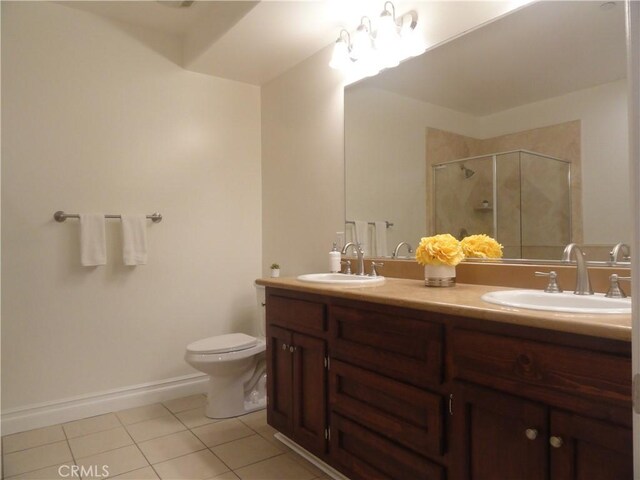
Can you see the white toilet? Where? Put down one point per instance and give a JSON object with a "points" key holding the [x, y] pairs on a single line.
{"points": [[236, 367]]}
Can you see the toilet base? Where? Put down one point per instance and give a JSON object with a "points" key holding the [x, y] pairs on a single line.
{"points": [[231, 397]]}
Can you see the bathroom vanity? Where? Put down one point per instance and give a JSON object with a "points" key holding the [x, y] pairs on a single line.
{"points": [[407, 382]]}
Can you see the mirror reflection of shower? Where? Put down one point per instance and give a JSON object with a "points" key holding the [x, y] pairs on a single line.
{"points": [[520, 198], [467, 172]]}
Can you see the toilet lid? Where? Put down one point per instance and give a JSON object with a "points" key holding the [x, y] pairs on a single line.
{"points": [[231, 342]]}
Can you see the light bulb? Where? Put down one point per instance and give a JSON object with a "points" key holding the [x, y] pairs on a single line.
{"points": [[387, 36], [340, 59], [362, 44], [411, 42], [388, 41]]}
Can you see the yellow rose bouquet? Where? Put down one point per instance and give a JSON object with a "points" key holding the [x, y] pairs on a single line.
{"points": [[441, 249], [481, 246]]}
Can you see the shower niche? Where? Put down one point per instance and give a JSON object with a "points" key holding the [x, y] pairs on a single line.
{"points": [[520, 198]]}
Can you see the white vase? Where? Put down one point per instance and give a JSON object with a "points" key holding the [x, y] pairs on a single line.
{"points": [[439, 276], [275, 272]]}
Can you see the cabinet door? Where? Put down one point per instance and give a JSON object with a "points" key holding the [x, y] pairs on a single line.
{"points": [[279, 380], [498, 436], [309, 393], [586, 449]]}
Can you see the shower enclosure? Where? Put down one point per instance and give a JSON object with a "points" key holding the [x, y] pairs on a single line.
{"points": [[520, 198]]}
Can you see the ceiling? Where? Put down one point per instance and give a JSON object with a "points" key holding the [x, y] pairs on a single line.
{"points": [[542, 51], [247, 41], [256, 41]]}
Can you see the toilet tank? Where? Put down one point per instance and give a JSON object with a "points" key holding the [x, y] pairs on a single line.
{"points": [[260, 303]]}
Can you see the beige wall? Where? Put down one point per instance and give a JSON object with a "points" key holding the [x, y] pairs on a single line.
{"points": [[302, 166], [96, 117]]}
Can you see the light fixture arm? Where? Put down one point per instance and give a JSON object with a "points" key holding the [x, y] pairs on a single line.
{"points": [[368, 28], [393, 10], [348, 41]]}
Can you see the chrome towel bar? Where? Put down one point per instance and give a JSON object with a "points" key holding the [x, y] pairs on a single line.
{"points": [[60, 216]]}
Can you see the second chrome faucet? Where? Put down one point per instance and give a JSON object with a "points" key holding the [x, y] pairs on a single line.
{"points": [[359, 253], [583, 284]]}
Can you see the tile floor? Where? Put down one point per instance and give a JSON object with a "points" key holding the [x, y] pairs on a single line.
{"points": [[170, 440]]}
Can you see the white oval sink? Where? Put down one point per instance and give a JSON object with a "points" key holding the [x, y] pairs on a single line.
{"points": [[566, 302], [341, 279]]}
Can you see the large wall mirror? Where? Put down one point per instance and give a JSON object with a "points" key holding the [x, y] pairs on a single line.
{"points": [[517, 129]]}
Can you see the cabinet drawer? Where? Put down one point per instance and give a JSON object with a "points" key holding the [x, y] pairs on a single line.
{"points": [[367, 455], [296, 314], [404, 348], [515, 364], [403, 413]]}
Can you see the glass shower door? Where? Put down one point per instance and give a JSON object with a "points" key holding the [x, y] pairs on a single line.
{"points": [[463, 197]]}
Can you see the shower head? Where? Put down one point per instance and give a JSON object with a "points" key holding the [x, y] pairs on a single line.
{"points": [[468, 173]]}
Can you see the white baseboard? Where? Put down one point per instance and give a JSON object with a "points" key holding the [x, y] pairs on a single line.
{"points": [[75, 408]]}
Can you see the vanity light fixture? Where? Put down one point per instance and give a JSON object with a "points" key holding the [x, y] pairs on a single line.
{"points": [[394, 40]]}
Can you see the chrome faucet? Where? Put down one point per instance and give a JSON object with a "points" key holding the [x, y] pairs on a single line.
{"points": [[360, 254], [583, 285], [398, 247], [615, 253]]}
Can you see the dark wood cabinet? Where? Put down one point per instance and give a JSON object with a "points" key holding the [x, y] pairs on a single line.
{"points": [[297, 378], [414, 394], [501, 436], [498, 436], [587, 449]]}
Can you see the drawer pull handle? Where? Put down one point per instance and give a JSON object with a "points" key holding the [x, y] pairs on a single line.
{"points": [[284, 346], [292, 349], [531, 433], [556, 442]]}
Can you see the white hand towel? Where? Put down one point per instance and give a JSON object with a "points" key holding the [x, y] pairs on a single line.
{"points": [[362, 235], [93, 243], [134, 239], [381, 239]]}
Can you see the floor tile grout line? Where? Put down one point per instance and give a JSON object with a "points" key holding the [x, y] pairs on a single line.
{"points": [[73, 457], [223, 443], [186, 409], [173, 458], [144, 420], [143, 456], [252, 463]]}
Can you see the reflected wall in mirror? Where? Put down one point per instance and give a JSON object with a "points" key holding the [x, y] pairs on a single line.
{"points": [[549, 78]]}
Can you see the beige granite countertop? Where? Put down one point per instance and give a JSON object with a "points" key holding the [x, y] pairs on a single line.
{"points": [[464, 300]]}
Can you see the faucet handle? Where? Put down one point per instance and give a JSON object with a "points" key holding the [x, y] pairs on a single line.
{"points": [[347, 270], [553, 286], [614, 286], [374, 265]]}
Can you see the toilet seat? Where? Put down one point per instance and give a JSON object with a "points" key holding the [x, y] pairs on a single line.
{"points": [[232, 342]]}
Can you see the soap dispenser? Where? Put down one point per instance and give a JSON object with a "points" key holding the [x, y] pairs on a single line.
{"points": [[334, 259]]}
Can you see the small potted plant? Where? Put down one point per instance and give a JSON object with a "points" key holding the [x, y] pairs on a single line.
{"points": [[275, 270]]}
